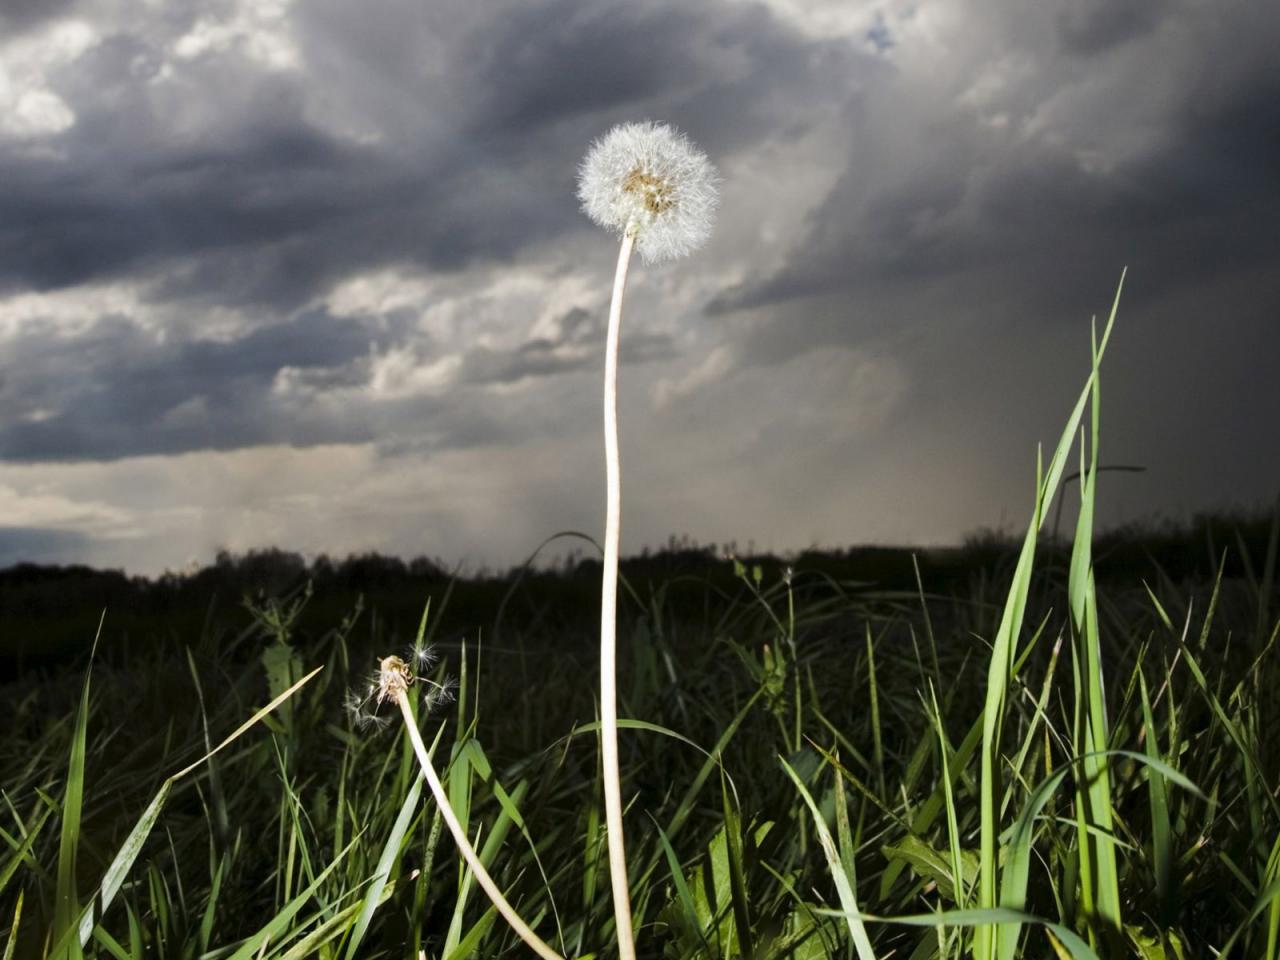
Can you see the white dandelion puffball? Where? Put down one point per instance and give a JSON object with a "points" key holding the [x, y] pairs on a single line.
{"points": [[649, 179]]}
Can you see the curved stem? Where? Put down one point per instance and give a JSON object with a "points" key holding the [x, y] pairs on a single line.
{"points": [[608, 620], [536, 943]]}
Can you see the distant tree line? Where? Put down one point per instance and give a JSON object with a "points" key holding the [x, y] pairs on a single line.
{"points": [[1190, 549]]}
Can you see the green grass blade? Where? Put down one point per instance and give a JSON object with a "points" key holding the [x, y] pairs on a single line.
{"points": [[66, 904], [279, 924], [469, 943], [848, 899], [386, 862], [737, 873], [23, 850], [1161, 829], [13, 928], [1005, 649], [123, 861], [684, 896], [960, 894], [993, 917], [877, 743]]}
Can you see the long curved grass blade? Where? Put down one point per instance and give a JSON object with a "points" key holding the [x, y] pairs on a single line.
{"points": [[123, 861], [683, 895], [386, 862], [844, 889], [66, 904], [1004, 650], [1090, 690]]}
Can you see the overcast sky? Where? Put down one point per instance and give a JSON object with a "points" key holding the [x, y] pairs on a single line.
{"points": [[312, 274]]}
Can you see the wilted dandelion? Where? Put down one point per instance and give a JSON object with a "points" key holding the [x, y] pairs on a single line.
{"points": [[393, 675], [647, 183], [393, 681]]}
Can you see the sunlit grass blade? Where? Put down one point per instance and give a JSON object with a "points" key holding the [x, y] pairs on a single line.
{"points": [[66, 900], [684, 896], [1004, 652], [1082, 594]]}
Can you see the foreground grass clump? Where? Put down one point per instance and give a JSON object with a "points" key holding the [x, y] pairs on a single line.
{"points": [[1038, 767]]}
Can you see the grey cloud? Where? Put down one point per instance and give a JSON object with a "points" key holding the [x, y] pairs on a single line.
{"points": [[1096, 26], [16, 16], [1031, 219], [961, 246], [577, 346], [116, 392], [474, 160], [40, 544]]}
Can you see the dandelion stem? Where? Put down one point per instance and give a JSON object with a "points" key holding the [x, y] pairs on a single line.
{"points": [[608, 619], [539, 946]]}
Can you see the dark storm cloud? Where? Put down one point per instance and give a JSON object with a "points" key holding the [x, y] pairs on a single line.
{"points": [[474, 156], [727, 72], [474, 128], [117, 392], [1096, 26], [938, 190], [1030, 219]]}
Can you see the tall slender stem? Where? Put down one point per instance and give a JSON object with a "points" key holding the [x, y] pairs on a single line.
{"points": [[609, 620], [536, 943]]}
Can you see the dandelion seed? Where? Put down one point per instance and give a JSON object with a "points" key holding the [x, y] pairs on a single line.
{"points": [[360, 711], [650, 180], [424, 656]]}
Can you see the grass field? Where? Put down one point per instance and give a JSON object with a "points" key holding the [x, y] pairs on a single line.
{"points": [[1026, 759]]}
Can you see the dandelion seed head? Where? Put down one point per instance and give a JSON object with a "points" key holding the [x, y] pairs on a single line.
{"points": [[649, 178], [394, 678]]}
